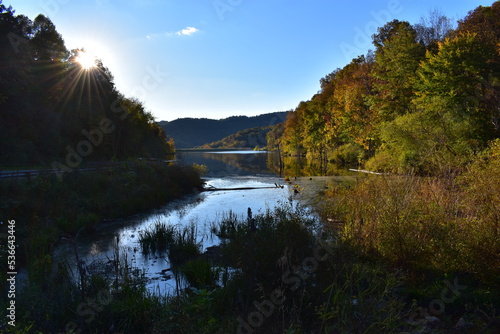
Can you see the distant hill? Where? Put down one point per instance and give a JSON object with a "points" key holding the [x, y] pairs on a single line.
{"points": [[193, 132], [249, 138]]}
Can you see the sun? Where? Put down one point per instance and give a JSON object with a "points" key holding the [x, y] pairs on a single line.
{"points": [[86, 60]]}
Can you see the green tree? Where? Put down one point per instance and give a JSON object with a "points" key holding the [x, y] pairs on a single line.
{"points": [[273, 137], [453, 85], [451, 121], [48, 43], [48, 101], [397, 57], [484, 22]]}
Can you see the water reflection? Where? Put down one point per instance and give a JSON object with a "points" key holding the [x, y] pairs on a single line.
{"points": [[297, 166], [259, 170], [230, 163], [202, 210]]}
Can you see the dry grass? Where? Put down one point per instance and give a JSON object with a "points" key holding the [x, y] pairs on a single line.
{"points": [[447, 224]]}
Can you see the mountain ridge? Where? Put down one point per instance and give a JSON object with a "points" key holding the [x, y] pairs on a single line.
{"points": [[246, 139], [194, 132]]}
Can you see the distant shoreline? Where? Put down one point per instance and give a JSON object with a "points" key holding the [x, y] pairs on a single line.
{"points": [[213, 149]]}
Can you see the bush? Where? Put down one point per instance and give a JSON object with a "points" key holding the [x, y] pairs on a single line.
{"points": [[478, 230], [425, 223], [348, 154], [383, 161]]}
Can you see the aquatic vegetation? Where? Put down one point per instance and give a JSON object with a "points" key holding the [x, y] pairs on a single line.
{"points": [[184, 246], [179, 243], [200, 273], [157, 238]]}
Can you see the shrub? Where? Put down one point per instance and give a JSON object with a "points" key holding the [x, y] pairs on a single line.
{"points": [[424, 223], [348, 154]]}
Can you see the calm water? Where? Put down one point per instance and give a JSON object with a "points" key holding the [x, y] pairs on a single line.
{"points": [[235, 169], [225, 164]]}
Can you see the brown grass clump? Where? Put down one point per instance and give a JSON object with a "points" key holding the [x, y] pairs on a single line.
{"points": [[449, 224]]}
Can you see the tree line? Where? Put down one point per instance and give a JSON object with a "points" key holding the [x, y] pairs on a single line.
{"points": [[426, 99], [195, 132], [51, 107]]}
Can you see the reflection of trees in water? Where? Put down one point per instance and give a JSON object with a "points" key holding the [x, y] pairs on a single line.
{"points": [[273, 163], [300, 166], [242, 163], [220, 165], [306, 166], [291, 166]]}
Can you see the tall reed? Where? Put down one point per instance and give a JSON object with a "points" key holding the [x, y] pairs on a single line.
{"points": [[157, 238]]}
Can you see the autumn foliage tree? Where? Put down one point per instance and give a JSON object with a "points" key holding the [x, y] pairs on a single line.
{"points": [[351, 119], [425, 100]]}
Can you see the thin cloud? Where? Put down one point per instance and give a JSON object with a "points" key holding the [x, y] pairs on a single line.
{"points": [[187, 31]]}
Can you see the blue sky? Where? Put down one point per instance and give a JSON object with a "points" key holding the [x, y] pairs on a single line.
{"points": [[218, 58]]}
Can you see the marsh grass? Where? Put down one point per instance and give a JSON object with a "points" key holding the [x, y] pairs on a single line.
{"points": [[392, 242], [268, 252], [423, 224], [348, 292], [157, 238], [435, 229], [200, 273], [227, 226], [183, 249], [48, 211], [184, 246], [361, 299], [55, 208]]}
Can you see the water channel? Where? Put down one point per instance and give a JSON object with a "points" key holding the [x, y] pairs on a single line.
{"points": [[226, 170]]}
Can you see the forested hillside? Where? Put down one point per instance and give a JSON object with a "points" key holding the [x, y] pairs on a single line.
{"points": [[254, 138], [53, 107], [426, 99], [193, 132]]}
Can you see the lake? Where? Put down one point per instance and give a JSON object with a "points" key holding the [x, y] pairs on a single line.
{"points": [[226, 170]]}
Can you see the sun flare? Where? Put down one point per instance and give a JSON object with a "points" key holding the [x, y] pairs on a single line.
{"points": [[86, 60]]}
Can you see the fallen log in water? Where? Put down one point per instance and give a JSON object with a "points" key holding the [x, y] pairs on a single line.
{"points": [[243, 188], [364, 171]]}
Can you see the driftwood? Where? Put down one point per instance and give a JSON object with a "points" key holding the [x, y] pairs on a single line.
{"points": [[243, 188], [364, 171]]}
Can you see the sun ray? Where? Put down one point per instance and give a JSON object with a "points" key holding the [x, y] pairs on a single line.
{"points": [[84, 84], [86, 60]]}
